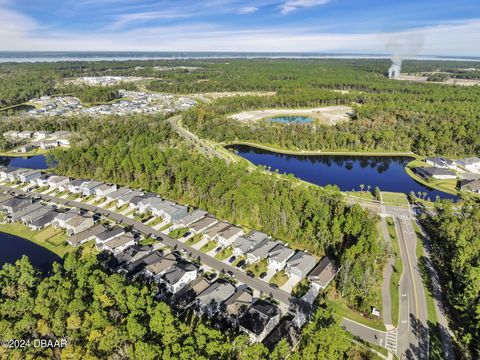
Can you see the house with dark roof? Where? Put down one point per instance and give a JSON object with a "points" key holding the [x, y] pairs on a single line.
{"points": [[118, 244], [237, 304], [109, 234], [42, 180], [300, 264], [138, 267], [186, 297], [42, 221], [114, 195], [259, 320], [127, 198], [179, 275], [18, 215], [228, 235], [470, 185], [323, 273], [210, 300], [435, 173], [202, 224], [157, 269], [212, 233], [129, 255], [75, 186], [87, 235], [16, 203]]}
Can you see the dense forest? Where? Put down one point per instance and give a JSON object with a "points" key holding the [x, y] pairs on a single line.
{"points": [[145, 153], [103, 316], [455, 239]]}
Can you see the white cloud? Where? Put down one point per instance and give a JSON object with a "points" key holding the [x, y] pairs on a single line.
{"points": [[126, 19], [292, 5], [248, 10]]}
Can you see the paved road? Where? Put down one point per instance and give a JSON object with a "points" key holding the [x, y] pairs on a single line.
{"points": [[442, 322], [386, 339], [254, 283], [413, 334], [387, 274]]}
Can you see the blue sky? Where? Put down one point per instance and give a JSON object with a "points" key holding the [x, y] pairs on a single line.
{"points": [[415, 27]]}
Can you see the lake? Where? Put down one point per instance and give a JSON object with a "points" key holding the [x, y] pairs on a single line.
{"points": [[38, 162], [14, 247], [346, 172]]}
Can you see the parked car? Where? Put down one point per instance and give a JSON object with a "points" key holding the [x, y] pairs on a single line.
{"points": [[250, 274], [262, 275], [183, 252], [186, 234], [241, 263], [231, 274], [275, 286], [232, 259], [218, 249], [211, 276]]}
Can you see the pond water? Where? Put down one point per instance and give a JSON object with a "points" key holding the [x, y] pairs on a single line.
{"points": [[38, 162], [347, 172], [291, 119], [14, 247]]}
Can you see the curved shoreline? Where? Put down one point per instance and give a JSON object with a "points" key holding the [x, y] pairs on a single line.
{"points": [[320, 152]]}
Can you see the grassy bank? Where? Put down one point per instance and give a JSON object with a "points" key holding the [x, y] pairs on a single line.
{"points": [[50, 238], [341, 308], [448, 186], [11, 153], [396, 274], [275, 148]]}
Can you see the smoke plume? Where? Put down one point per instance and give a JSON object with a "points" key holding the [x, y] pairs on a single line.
{"points": [[402, 46]]}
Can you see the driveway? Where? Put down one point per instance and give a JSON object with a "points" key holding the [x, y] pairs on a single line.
{"points": [[290, 284]]}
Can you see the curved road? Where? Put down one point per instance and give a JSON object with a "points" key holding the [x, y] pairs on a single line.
{"points": [[257, 284]]}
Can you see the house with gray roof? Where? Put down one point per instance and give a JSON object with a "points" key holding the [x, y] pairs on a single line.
{"points": [[43, 221], [259, 320], [300, 264], [157, 269], [58, 182], [114, 195], [179, 275], [109, 234], [278, 256], [127, 198], [88, 188], [435, 173], [138, 267], [210, 300], [470, 185], [202, 224], [16, 216], [76, 186], [16, 203], [31, 216], [150, 204], [104, 189], [14, 175], [78, 223], [129, 255], [190, 218], [323, 273], [441, 162], [29, 175], [4, 171], [118, 244], [228, 235], [42, 180], [212, 233], [245, 243], [171, 211], [237, 304], [87, 235], [261, 251], [186, 297], [471, 164]]}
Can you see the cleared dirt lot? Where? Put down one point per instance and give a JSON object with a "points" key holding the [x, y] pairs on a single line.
{"points": [[450, 81], [327, 115]]}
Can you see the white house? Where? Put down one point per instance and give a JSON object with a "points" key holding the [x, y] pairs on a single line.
{"points": [[29, 175], [227, 236], [278, 256], [260, 251], [104, 189], [300, 264], [58, 182], [119, 244], [76, 186], [78, 223], [41, 134], [471, 164], [178, 275]]}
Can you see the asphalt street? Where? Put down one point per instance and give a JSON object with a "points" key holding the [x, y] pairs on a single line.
{"points": [[254, 283]]}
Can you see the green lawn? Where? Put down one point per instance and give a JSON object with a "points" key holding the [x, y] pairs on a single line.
{"points": [[122, 208], [73, 196], [225, 253], [130, 212], [194, 239], [50, 238], [258, 267], [279, 278], [100, 201], [341, 308], [147, 241], [165, 226], [178, 233], [42, 189], [397, 272], [366, 195], [301, 288], [448, 186], [155, 221], [237, 260], [208, 246], [393, 198]]}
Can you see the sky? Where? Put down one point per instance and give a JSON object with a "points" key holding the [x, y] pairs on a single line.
{"points": [[408, 27]]}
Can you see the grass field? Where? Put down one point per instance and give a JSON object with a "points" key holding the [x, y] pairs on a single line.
{"points": [[279, 278], [155, 221], [194, 239], [364, 195], [396, 274], [50, 238], [396, 199], [258, 267], [178, 233], [341, 308], [225, 253], [208, 246]]}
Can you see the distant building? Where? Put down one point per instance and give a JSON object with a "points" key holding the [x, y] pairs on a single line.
{"points": [[441, 162]]}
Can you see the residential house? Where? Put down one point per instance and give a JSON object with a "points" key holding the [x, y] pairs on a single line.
{"points": [[13, 175], [4, 173], [24, 134], [150, 204], [441, 162], [16, 203], [138, 267], [157, 269], [190, 218], [129, 255], [33, 215], [261, 251], [184, 298], [63, 217], [42, 180], [118, 244], [87, 235], [78, 223], [25, 148], [245, 243], [212, 233], [210, 300], [88, 188], [49, 144], [238, 303], [29, 175], [170, 211], [259, 320], [228, 235], [76, 186], [60, 134], [126, 199], [202, 225], [114, 195], [43, 221], [323, 273], [58, 182], [278, 256], [41, 134], [471, 164], [103, 190], [435, 173], [179, 275], [109, 234], [16, 216], [470, 185], [12, 134], [300, 264]]}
